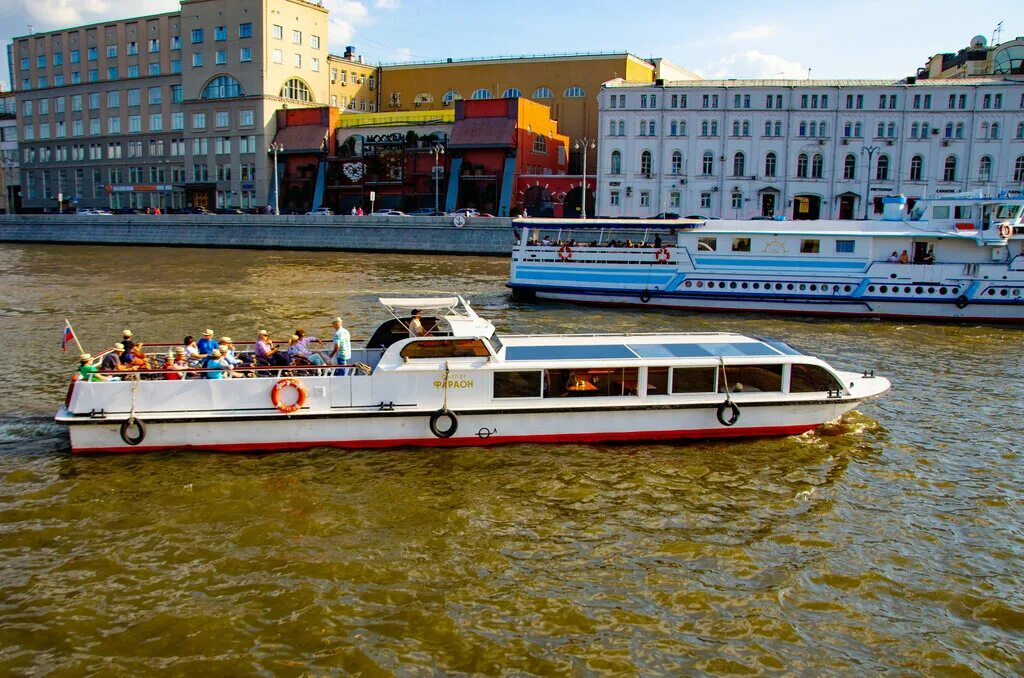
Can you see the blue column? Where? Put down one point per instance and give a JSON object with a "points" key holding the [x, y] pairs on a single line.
{"points": [[318, 190], [452, 198], [507, 178]]}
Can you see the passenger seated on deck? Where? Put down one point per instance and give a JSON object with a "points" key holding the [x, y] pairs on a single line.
{"points": [[894, 258], [266, 353], [112, 360], [171, 371], [181, 362], [87, 371], [301, 348], [192, 352], [928, 257], [227, 353], [139, 360], [416, 328], [127, 342], [207, 343], [215, 365], [904, 257]]}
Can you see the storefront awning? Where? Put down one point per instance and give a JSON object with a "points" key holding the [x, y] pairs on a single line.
{"points": [[302, 138], [483, 133]]}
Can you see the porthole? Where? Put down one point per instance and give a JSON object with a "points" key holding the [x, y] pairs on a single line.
{"points": [[757, 286], [814, 288], [956, 290], [721, 285], [931, 290], [918, 290], [789, 286], [942, 290], [732, 285], [744, 285], [700, 283], [1016, 293], [883, 289], [687, 284], [778, 286], [906, 290], [871, 288], [846, 288], [1003, 293], [991, 292]]}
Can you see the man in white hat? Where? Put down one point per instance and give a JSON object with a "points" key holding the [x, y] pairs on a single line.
{"points": [[128, 342], [266, 352], [207, 343], [113, 359], [87, 371], [227, 353]]}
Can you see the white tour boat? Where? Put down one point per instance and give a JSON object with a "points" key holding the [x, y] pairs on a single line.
{"points": [[962, 259], [462, 385]]}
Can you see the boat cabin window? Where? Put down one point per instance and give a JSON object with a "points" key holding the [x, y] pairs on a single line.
{"points": [[746, 378], [810, 246], [519, 384], [940, 212], [591, 382], [846, 246], [693, 379], [707, 244], [657, 380], [446, 348], [1007, 211], [963, 212], [812, 379], [741, 244]]}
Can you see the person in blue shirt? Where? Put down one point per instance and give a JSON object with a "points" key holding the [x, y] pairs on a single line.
{"points": [[207, 343], [341, 349], [216, 365]]}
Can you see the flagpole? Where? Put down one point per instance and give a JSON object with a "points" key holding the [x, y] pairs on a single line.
{"points": [[74, 336]]}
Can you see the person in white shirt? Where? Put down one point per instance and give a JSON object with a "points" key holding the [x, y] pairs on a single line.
{"points": [[416, 328]]}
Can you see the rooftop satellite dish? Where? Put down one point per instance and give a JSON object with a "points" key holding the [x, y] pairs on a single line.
{"points": [[978, 41]]}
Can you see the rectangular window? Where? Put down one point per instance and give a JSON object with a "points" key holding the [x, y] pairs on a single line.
{"points": [[591, 382], [741, 244], [114, 125], [112, 73], [277, 32], [222, 119], [245, 30], [154, 45], [220, 33], [94, 126], [707, 244], [197, 59], [111, 51], [314, 65], [276, 56], [133, 48], [860, 101], [76, 56], [998, 101], [246, 117], [133, 97], [705, 200], [175, 42], [76, 78], [803, 100], [177, 94], [519, 384], [197, 36], [297, 37], [175, 65], [693, 380], [917, 101], [245, 54], [674, 198], [155, 95], [613, 198], [747, 378], [845, 246], [220, 57], [77, 128], [314, 41], [645, 199], [810, 246], [298, 60], [156, 122], [92, 54], [199, 121], [927, 101], [134, 124], [200, 146], [154, 68]]}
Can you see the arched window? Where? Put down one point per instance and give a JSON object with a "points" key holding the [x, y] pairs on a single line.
{"points": [[801, 166], [746, 128], [223, 87], [682, 128], [735, 128], [673, 129], [704, 128], [739, 164], [616, 163], [646, 163], [822, 129], [643, 128], [769, 164], [778, 128], [916, 167], [296, 89], [768, 128], [924, 130], [814, 129], [714, 128], [857, 130], [511, 93], [892, 130], [611, 128], [817, 165], [882, 170], [914, 130], [480, 94], [881, 130], [1020, 130], [984, 130], [677, 162], [450, 96], [949, 169], [1018, 169], [707, 166], [995, 131], [949, 130], [540, 144], [959, 130], [803, 129], [848, 130], [543, 93], [574, 92], [622, 128], [985, 168], [850, 167], [650, 128]]}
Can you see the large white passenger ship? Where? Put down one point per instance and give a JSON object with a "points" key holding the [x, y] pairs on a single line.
{"points": [[463, 385], [956, 258]]}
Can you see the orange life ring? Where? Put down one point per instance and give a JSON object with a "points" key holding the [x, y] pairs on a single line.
{"points": [[1005, 231], [565, 253], [300, 401], [663, 255]]}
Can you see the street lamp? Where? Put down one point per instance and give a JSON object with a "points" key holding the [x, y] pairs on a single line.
{"points": [[438, 151], [870, 150], [276, 148], [583, 144]]}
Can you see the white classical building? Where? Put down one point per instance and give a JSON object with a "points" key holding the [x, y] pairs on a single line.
{"points": [[805, 149]]}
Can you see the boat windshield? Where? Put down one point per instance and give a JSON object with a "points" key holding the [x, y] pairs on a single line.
{"points": [[1007, 211]]}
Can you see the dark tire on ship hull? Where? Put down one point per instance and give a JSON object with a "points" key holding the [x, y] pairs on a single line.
{"points": [[962, 301], [138, 427], [645, 296], [730, 406], [439, 417]]}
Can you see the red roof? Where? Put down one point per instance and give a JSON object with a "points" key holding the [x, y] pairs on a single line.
{"points": [[483, 132], [302, 137]]}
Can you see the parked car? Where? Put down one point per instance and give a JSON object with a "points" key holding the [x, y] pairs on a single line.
{"points": [[702, 217], [426, 212], [389, 213], [90, 211], [466, 212], [320, 212], [193, 210], [229, 210], [666, 215]]}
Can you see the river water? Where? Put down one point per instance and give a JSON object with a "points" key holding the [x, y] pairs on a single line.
{"points": [[889, 541]]}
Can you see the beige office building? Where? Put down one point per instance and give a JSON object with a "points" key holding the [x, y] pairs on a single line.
{"points": [[168, 110]]}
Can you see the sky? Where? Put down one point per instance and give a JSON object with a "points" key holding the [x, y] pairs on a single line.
{"points": [[727, 39]]}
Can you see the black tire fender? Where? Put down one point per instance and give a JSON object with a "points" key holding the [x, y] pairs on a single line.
{"points": [[962, 301], [645, 296], [137, 424], [437, 416], [734, 411]]}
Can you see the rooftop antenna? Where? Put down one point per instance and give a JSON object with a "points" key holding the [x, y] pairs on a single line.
{"points": [[30, 31], [997, 33], [808, 72]]}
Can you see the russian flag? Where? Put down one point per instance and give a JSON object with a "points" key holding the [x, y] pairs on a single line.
{"points": [[68, 336]]}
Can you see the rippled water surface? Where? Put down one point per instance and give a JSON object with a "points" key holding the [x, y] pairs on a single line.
{"points": [[889, 541]]}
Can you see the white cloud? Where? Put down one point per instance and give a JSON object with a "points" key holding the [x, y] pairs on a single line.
{"points": [[345, 17], [387, 4], [753, 64], [754, 33]]}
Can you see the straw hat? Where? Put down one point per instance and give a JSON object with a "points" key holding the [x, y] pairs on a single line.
{"points": [[215, 353], [127, 333], [262, 333], [225, 340], [119, 346], [180, 350], [208, 333], [85, 357]]}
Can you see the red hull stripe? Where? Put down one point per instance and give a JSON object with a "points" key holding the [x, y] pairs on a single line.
{"points": [[614, 436]]}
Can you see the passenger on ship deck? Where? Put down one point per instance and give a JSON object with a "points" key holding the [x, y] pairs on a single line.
{"points": [[127, 342], [894, 258], [139, 360], [87, 371], [416, 328], [904, 257], [172, 370], [112, 360], [657, 241], [192, 352], [928, 257], [341, 349], [302, 349], [227, 353], [215, 365], [266, 353], [181, 361], [207, 343]]}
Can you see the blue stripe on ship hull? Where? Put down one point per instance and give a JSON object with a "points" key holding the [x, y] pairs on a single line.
{"points": [[805, 264]]}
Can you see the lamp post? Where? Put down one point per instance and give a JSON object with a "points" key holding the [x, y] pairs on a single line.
{"points": [[276, 148], [583, 144], [438, 151], [5, 182], [870, 150]]}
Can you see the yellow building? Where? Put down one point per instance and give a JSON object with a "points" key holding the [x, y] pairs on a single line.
{"points": [[569, 84], [353, 84]]}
